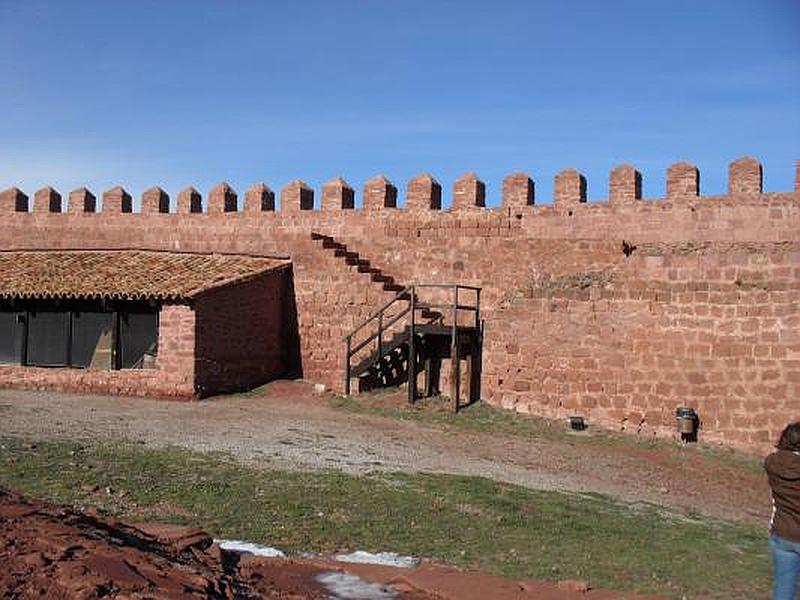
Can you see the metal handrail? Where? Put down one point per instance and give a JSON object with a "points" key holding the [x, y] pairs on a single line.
{"points": [[448, 285], [381, 328], [381, 310], [408, 294]]}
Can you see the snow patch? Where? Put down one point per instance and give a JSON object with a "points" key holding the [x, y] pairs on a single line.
{"points": [[250, 548], [389, 559], [345, 586]]}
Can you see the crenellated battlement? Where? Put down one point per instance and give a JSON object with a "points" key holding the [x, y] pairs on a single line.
{"points": [[423, 193]]}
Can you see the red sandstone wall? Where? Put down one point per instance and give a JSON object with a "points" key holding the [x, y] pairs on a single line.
{"points": [[242, 338], [715, 327], [558, 329]]}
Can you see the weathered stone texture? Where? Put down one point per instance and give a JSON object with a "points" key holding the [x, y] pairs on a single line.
{"points": [[13, 200], [745, 176], [683, 181], [379, 193], [259, 198], [117, 200], [155, 200], [337, 195], [47, 200], [469, 192], [424, 193], [624, 185], [296, 197], [222, 198], [518, 191], [190, 201], [82, 200], [569, 190]]}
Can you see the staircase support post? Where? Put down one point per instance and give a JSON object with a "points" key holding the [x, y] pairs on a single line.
{"points": [[428, 385], [412, 356], [455, 362], [380, 337], [347, 369]]}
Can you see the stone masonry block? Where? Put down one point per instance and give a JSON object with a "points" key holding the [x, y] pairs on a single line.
{"points": [[117, 200], [379, 193], [222, 198], [569, 188], [745, 176], [190, 201], [469, 192], [47, 200], [624, 185], [797, 175], [259, 198], [518, 191], [683, 180], [155, 200], [81, 200], [337, 195], [424, 193], [13, 200], [297, 196]]}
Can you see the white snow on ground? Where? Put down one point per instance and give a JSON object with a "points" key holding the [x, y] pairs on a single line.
{"points": [[345, 586], [250, 548], [389, 559]]}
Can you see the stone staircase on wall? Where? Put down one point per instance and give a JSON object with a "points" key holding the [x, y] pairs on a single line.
{"points": [[363, 265]]}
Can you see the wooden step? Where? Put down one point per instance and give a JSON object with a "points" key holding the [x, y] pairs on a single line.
{"points": [[431, 314]]}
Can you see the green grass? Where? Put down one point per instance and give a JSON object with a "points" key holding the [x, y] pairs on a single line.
{"points": [[483, 418], [466, 521]]}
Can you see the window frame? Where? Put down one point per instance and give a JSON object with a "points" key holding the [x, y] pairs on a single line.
{"points": [[70, 307]]}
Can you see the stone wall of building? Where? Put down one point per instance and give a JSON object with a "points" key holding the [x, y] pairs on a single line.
{"points": [[620, 310], [243, 334]]}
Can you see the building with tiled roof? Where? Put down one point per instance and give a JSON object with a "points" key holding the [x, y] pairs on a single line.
{"points": [[143, 322]]}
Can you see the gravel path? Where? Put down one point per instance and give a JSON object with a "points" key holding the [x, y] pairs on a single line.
{"points": [[289, 427]]}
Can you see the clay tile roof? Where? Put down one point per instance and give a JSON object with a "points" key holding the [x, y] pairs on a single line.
{"points": [[124, 274]]}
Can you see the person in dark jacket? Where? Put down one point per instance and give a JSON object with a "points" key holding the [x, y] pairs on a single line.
{"points": [[783, 470]]}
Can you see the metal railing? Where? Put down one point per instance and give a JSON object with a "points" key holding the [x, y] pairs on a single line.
{"points": [[382, 322]]}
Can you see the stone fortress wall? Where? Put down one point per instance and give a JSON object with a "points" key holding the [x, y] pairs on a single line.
{"points": [[620, 311]]}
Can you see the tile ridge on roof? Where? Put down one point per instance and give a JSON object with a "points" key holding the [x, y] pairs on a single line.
{"points": [[282, 257]]}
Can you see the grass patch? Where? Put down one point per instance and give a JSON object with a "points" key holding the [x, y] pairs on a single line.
{"points": [[481, 417], [466, 521]]}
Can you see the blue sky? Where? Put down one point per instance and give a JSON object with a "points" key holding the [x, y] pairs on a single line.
{"points": [[178, 93]]}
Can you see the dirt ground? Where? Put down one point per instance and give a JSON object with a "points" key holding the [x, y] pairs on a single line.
{"points": [[57, 553], [288, 426]]}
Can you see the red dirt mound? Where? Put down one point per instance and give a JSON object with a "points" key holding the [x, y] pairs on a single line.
{"points": [[58, 553], [55, 552]]}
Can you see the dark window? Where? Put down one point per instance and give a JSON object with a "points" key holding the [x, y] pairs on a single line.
{"points": [[93, 340], [138, 343], [48, 339], [12, 327], [83, 334]]}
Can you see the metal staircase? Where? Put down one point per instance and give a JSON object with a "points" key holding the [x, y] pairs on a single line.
{"points": [[412, 333], [408, 335]]}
